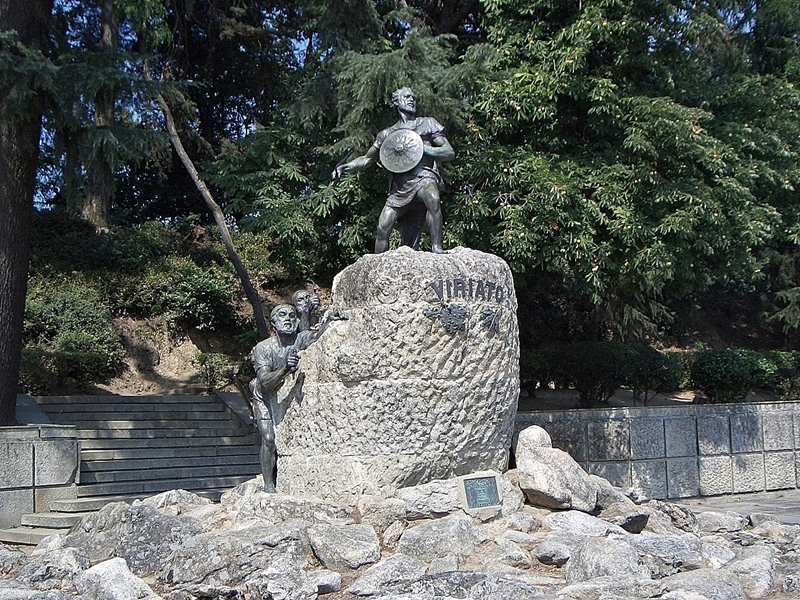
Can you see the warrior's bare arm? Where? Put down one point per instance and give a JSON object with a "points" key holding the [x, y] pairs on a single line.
{"points": [[357, 164], [439, 149], [270, 380]]}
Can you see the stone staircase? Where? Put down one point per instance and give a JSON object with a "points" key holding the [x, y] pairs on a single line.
{"points": [[136, 446]]}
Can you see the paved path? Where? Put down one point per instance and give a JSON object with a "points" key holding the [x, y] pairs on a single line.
{"points": [[783, 504]]}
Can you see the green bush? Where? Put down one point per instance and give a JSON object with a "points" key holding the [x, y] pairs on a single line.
{"points": [[595, 369], [215, 369], [728, 374], [69, 336], [649, 370], [785, 374], [43, 372]]}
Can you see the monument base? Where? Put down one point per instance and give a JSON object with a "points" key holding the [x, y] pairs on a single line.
{"points": [[420, 383]]}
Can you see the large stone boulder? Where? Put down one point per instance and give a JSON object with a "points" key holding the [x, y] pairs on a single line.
{"points": [[421, 382]]}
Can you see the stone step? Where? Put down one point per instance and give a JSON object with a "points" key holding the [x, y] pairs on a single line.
{"points": [[165, 464], [107, 419], [244, 437], [163, 431], [151, 487], [124, 400], [29, 536], [250, 448], [198, 472], [93, 408], [53, 520], [171, 424]]}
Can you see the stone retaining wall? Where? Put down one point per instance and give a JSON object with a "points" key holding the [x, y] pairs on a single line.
{"points": [[38, 463], [682, 451]]}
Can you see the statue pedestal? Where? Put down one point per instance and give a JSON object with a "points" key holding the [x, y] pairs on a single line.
{"points": [[420, 383]]}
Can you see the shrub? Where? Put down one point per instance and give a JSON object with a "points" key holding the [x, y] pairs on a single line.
{"points": [[72, 331], [595, 369], [728, 374], [651, 370], [785, 380], [215, 369]]}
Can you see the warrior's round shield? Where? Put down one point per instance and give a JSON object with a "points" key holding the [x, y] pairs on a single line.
{"points": [[401, 151]]}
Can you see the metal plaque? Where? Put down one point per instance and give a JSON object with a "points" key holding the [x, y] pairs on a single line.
{"points": [[481, 492], [401, 151]]}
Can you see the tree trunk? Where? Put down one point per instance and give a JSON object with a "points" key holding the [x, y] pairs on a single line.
{"points": [[219, 218], [19, 140], [100, 176]]}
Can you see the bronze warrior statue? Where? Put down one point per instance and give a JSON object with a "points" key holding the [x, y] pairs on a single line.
{"points": [[410, 149]]}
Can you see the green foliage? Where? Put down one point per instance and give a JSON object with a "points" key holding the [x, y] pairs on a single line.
{"points": [[595, 369], [651, 371], [215, 369], [25, 74], [728, 374], [69, 336]]}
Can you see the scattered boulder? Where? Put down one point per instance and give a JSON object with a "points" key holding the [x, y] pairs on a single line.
{"points": [[443, 497], [175, 502], [144, 536], [341, 547], [720, 522], [379, 512], [680, 516], [573, 521], [10, 559], [56, 569], [112, 580], [713, 584], [755, 568], [550, 477], [611, 587], [667, 555], [395, 570], [465, 584], [427, 541], [605, 557]]}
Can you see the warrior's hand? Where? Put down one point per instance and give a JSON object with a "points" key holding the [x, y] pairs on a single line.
{"points": [[292, 361]]}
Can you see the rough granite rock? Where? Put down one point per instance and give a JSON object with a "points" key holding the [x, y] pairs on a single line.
{"points": [[395, 570], [227, 558], [144, 536], [550, 477], [605, 557], [14, 590], [573, 521], [714, 522], [10, 559], [666, 555], [56, 569], [380, 512], [175, 502], [393, 396], [112, 580], [344, 546], [465, 584], [712, 584], [607, 587], [442, 497], [427, 541], [755, 568]]}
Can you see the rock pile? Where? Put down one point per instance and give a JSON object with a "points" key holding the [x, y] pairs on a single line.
{"points": [[576, 538]]}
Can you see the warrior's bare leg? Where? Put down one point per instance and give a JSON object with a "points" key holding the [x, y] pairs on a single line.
{"points": [[266, 453], [430, 197], [386, 221]]}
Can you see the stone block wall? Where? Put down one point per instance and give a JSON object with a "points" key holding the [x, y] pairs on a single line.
{"points": [[682, 451], [38, 463]]}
